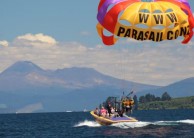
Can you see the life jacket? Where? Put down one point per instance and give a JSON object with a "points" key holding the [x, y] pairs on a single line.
{"points": [[127, 103]]}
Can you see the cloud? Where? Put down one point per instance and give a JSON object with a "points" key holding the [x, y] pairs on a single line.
{"points": [[150, 63], [36, 40], [129, 41], [4, 43]]}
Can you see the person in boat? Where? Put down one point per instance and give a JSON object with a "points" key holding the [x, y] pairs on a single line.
{"points": [[103, 112], [109, 109], [112, 110], [128, 107], [96, 111], [119, 113]]}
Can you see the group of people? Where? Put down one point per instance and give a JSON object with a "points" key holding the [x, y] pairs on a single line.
{"points": [[125, 105], [109, 111]]}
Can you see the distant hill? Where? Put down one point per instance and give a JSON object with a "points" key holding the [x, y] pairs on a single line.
{"points": [[25, 87], [175, 103], [181, 88]]}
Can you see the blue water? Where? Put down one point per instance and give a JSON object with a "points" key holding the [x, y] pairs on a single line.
{"points": [[162, 123]]}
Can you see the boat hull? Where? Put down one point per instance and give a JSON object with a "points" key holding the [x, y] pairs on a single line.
{"points": [[108, 121]]}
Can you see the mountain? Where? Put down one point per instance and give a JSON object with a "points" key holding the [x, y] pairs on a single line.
{"points": [[181, 88], [25, 74], [25, 86], [22, 67]]}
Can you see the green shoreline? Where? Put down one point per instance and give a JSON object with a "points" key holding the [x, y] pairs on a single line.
{"points": [[174, 103]]}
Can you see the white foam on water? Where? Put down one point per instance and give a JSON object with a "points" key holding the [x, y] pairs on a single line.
{"points": [[140, 124], [126, 125], [187, 121], [165, 123], [87, 123]]}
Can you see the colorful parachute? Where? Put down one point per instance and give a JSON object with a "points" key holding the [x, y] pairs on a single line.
{"points": [[156, 21]]}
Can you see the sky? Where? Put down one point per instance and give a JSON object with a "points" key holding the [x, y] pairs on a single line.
{"points": [[56, 34]]}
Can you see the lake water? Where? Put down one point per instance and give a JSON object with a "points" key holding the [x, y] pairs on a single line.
{"points": [[152, 124]]}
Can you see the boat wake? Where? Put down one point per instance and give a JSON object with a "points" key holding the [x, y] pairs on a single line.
{"points": [[126, 125], [157, 123], [87, 123], [140, 124], [188, 121]]}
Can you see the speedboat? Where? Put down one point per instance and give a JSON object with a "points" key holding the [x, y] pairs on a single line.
{"points": [[113, 119], [120, 109]]}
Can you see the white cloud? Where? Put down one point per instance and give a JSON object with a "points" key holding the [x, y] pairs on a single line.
{"points": [[151, 63], [36, 40], [4, 43]]}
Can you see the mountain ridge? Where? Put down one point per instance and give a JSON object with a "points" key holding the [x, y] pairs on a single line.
{"points": [[181, 88], [27, 85]]}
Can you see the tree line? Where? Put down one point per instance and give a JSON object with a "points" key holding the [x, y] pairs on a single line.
{"points": [[150, 98]]}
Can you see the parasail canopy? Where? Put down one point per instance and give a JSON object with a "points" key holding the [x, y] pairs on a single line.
{"points": [[156, 21]]}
